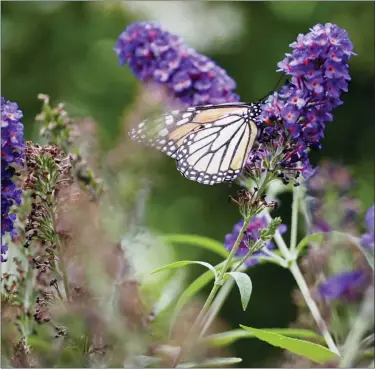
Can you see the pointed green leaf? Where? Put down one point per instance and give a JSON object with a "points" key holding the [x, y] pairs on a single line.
{"points": [[314, 352], [179, 264], [216, 362], [244, 285], [199, 241], [315, 237], [192, 290], [227, 338]]}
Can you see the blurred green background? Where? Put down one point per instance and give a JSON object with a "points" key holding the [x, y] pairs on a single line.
{"points": [[65, 49]]}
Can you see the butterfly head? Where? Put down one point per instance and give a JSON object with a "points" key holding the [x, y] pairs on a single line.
{"points": [[255, 109]]}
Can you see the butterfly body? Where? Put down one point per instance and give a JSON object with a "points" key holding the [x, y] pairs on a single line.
{"points": [[210, 143]]}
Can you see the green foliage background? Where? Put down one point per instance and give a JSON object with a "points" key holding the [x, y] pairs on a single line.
{"points": [[65, 49]]}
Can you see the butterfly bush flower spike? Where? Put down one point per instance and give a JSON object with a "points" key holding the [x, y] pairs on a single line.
{"points": [[12, 153], [294, 119], [251, 236], [155, 55]]}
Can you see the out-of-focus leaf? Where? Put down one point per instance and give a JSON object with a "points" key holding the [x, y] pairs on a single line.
{"points": [[216, 362], [142, 361], [245, 286], [356, 241], [227, 338], [315, 237], [314, 352], [192, 290], [172, 288], [198, 241], [179, 264]]}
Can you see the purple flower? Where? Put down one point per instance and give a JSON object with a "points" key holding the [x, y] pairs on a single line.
{"points": [[252, 234], [293, 120], [367, 239], [154, 54], [347, 286], [12, 153]]}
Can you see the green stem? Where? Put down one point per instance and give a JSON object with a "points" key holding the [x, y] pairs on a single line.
{"points": [[224, 292], [65, 277], [300, 280], [61, 262], [363, 322], [222, 295], [305, 210], [219, 281], [293, 235], [219, 302], [296, 272], [220, 278]]}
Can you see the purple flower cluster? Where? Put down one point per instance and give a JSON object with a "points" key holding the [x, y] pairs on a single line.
{"points": [[346, 286], [367, 239], [156, 55], [252, 234], [12, 152], [293, 120], [332, 206]]}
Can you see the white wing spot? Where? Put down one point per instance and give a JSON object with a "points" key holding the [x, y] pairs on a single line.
{"points": [[169, 120], [182, 121], [164, 132]]}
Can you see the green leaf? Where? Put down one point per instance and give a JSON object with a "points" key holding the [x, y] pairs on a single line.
{"points": [[314, 352], [315, 237], [199, 241], [356, 241], [192, 290], [212, 363], [227, 338], [179, 264], [244, 285]]}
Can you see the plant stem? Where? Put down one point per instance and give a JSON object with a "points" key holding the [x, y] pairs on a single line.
{"points": [[64, 275], [218, 303], [61, 263], [220, 278], [296, 272], [219, 281], [363, 322], [279, 239], [293, 234]]}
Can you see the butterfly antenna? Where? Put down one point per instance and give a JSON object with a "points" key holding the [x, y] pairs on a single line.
{"points": [[269, 93]]}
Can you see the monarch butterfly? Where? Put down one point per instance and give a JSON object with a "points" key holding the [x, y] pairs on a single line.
{"points": [[210, 143]]}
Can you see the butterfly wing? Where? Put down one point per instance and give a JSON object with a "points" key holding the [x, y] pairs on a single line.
{"points": [[167, 132], [210, 143], [217, 152]]}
